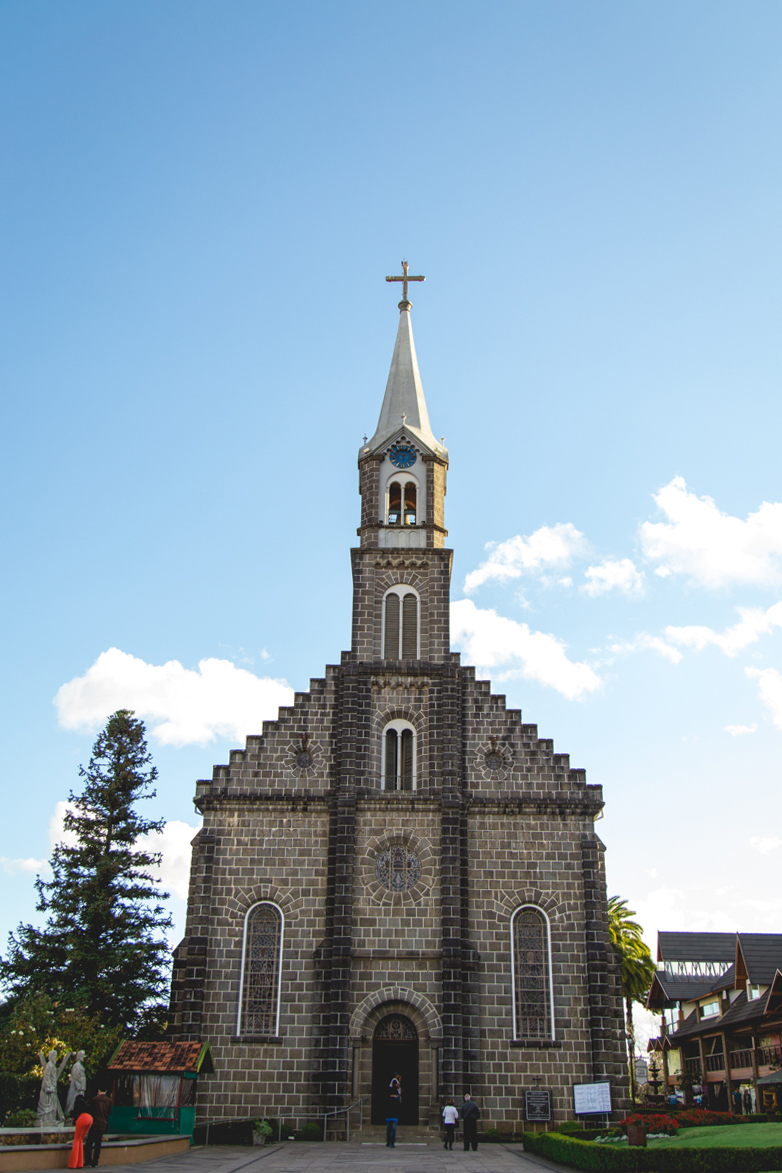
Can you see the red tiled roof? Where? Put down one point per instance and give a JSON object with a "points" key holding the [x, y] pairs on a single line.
{"points": [[156, 1057]]}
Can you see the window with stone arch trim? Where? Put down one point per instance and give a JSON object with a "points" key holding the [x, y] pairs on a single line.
{"points": [[401, 621], [261, 974], [398, 755], [402, 500], [533, 1003]]}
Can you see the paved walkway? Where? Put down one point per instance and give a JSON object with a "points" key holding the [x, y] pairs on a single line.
{"points": [[337, 1157]]}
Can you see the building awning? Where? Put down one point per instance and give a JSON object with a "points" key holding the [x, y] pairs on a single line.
{"points": [[774, 1077], [194, 1058]]}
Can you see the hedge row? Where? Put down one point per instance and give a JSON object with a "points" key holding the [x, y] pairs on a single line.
{"points": [[18, 1091], [579, 1154]]}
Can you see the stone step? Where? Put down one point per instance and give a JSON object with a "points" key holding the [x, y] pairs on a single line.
{"points": [[405, 1134]]}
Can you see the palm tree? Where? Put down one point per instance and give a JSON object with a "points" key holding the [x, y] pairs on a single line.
{"points": [[637, 967]]}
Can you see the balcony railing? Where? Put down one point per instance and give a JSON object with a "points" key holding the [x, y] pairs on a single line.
{"points": [[692, 1064], [715, 1062], [741, 1058], [769, 1057]]}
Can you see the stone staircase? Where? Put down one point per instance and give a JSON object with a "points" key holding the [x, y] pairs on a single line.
{"points": [[405, 1134]]}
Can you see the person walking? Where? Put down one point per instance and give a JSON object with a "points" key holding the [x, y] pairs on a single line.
{"points": [[83, 1123], [450, 1119], [393, 1110], [100, 1109], [470, 1115]]}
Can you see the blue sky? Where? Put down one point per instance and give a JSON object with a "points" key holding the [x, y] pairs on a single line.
{"points": [[199, 205]]}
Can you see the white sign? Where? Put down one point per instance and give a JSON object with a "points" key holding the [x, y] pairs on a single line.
{"points": [[591, 1099]]}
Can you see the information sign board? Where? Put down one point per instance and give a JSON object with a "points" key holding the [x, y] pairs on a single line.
{"points": [[537, 1103], [591, 1099]]}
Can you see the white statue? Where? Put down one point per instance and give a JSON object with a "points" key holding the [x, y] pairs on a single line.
{"points": [[78, 1082], [49, 1110]]}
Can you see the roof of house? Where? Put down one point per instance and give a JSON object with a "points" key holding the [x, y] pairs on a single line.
{"points": [[696, 947], [175, 1058], [761, 955], [740, 1012], [665, 989]]}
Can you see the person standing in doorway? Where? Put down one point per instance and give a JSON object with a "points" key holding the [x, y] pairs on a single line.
{"points": [[747, 1101], [100, 1108], [393, 1110], [737, 1101], [470, 1114], [450, 1120]]}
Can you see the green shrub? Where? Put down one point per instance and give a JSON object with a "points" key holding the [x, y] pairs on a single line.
{"points": [[492, 1135], [580, 1154], [264, 1127], [24, 1118], [311, 1131]]}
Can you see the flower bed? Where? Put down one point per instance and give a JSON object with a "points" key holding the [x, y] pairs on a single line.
{"points": [[660, 1125], [667, 1158]]}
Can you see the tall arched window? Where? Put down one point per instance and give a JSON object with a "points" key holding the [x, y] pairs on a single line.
{"points": [[398, 750], [259, 994], [400, 624], [402, 501], [533, 1008]]}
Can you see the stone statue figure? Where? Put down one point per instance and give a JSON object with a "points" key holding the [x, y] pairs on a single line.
{"points": [[78, 1083], [49, 1110]]}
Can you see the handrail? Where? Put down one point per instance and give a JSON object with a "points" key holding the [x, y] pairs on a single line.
{"points": [[324, 1116]]}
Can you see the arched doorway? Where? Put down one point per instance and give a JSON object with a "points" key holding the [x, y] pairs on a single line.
{"points": [[395, 1049]]}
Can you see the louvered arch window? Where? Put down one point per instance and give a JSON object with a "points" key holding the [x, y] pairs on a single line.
{"points": [[398, 756], [400, 624], [533, 1016], [259, 995]]}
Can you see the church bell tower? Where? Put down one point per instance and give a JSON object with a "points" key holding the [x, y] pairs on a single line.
{"points": [[402, 570]]}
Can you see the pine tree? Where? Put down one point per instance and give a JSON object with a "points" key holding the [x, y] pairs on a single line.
{"points": [[102, 948]]}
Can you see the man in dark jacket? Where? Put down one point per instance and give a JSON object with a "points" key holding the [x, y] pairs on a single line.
{"points": [[100, 1110], [470, 1114]]}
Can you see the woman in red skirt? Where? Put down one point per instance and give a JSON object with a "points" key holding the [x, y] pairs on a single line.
{"points": [[83, 1121]]}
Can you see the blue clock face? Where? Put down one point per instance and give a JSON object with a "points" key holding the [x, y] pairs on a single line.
{"points": [[402, 456]]}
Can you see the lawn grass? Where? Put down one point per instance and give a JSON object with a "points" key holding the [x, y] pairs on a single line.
{"points": [[719, 1135]]}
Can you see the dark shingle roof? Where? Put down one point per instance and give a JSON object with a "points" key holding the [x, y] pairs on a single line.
{"points": [[677, 989], [172, 1057], [762, 953], [696, 947]]}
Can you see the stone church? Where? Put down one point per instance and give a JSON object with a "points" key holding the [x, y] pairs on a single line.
{"points": [[397, 874]]}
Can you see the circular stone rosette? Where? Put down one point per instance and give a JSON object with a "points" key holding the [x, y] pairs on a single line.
{"points": [[494, 760]]}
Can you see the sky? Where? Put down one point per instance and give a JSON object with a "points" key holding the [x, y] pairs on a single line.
{"points": [[200, 203]]}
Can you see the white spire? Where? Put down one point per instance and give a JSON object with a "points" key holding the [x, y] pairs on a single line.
{"points": [[403, 403]]}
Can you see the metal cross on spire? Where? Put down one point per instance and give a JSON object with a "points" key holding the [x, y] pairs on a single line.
{"points": [[404, 279]]}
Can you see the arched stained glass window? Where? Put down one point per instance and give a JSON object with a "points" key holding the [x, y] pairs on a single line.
{"points": [[261, 964], [532, 1009]]}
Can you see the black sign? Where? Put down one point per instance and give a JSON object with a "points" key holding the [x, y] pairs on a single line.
{"points": [[537, 1104]]}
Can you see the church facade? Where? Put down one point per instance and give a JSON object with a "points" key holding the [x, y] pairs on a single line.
{"points": [[398, 875]]}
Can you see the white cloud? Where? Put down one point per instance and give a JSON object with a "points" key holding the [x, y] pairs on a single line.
{"points": [[764, 844], [174, 842], [769, 690], [12, 866], [487, 640], [652, 643], [550, 547], [737, 730], [613, 574], [712, 548], [754, 622], [186, 705], [57, 832]]}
